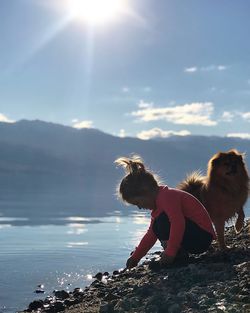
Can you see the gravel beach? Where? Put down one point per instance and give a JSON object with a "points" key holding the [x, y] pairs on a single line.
{"points": [[212, 282]]}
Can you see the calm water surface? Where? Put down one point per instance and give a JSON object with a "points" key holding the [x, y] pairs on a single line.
{"points": [[62, 254]]}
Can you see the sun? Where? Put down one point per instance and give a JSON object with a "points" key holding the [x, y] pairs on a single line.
{"points": [[97, 11]]}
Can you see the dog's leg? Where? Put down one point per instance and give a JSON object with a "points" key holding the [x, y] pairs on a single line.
{"points": [[240, 221], [219, 227]]}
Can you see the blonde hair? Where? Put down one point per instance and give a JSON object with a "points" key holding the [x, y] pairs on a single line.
{"points": [[138, 180]]}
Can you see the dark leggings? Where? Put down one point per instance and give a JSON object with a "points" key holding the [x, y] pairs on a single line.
{"points": [[195, 239]]}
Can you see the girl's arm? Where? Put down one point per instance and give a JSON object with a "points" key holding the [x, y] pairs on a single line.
{"points": [[147, 242]]}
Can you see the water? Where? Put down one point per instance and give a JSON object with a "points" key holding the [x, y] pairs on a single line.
{"points": [[61, 253]]}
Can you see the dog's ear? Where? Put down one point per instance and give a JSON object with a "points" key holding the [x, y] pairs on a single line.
{"points": [[217, 158]]}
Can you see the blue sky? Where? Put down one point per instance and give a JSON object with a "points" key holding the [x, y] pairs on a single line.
{"points": [[168, 67]]}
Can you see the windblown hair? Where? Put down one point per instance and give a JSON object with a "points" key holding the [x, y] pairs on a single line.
{"points": [[138, 180]]}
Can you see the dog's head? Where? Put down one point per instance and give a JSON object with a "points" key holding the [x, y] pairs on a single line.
{"points": [[227, 164]]}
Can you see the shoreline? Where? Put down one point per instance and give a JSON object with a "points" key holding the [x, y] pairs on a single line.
{"points": [[215, 281]]}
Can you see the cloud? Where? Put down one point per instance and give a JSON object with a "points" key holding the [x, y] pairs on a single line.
{"points": [[125, 89], [246, 116], [239, 135], [191, 69], [5, 119], [147, 89], [82, 124], [222, 67], [227, 116], [208, 68], [188, 114], [159, 133], [122, 133], [143, 105]]}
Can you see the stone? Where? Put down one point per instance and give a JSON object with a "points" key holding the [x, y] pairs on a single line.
{"points": [[39, 291], [35, 305], [174, 308], [106, 308], [98, 276], [61, 294], [58, 306]]}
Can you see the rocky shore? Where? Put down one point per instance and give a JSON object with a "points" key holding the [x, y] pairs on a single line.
{"points": [[212, 282]]}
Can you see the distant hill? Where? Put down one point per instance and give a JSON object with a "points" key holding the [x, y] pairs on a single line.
{"points": [[47, 167]]}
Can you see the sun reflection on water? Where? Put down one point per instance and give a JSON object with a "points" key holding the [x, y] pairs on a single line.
{"points": [[76, 229]]}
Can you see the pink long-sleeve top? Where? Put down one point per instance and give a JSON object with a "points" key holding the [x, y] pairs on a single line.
{"points": [[177, 205]]}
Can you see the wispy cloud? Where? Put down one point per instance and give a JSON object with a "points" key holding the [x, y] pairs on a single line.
{"points": [[145, 105], [191, 69], [198, 113], [160, 133], [5, 119], [239, 135], [227, 116], [125, 89], [208, 68], [245, 116], [82, 124], [144, 89]]}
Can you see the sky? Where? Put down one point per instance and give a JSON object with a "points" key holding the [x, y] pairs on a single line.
{"points": [[155, 69]]}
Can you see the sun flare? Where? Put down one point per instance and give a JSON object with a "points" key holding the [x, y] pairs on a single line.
{"points": [[96, 11]]}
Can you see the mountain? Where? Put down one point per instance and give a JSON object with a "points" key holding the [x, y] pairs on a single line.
{"points": [[50, 168]]}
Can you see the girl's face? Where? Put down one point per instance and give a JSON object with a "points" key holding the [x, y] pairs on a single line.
{"points": [[144, 202]]}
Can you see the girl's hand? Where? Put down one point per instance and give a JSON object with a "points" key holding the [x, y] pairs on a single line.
{"points": [[166, 259], [131, 263]]}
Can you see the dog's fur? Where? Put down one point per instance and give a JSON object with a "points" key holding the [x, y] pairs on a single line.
{"points": [[223, 191]]}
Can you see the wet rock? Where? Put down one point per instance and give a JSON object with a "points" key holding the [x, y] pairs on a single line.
{"points": [[49, 300], [174, 308], [58, 306], [35, 305], [152, 308], [41, 286], [98, 276], [70, 302], [61, 294], [77, 291], [39, 291], [154, 266], [111, 296], [106, 308]]}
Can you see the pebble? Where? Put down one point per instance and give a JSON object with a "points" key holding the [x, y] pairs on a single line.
{"points": [[98, 276], [61, 294], [35, 305], [39, 291]]}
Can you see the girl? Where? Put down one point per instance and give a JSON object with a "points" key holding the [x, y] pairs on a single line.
{"points": [[178, 219]]}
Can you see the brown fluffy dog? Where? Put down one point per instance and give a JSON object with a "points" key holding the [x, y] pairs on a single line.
{"points": [[223, 191]]}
